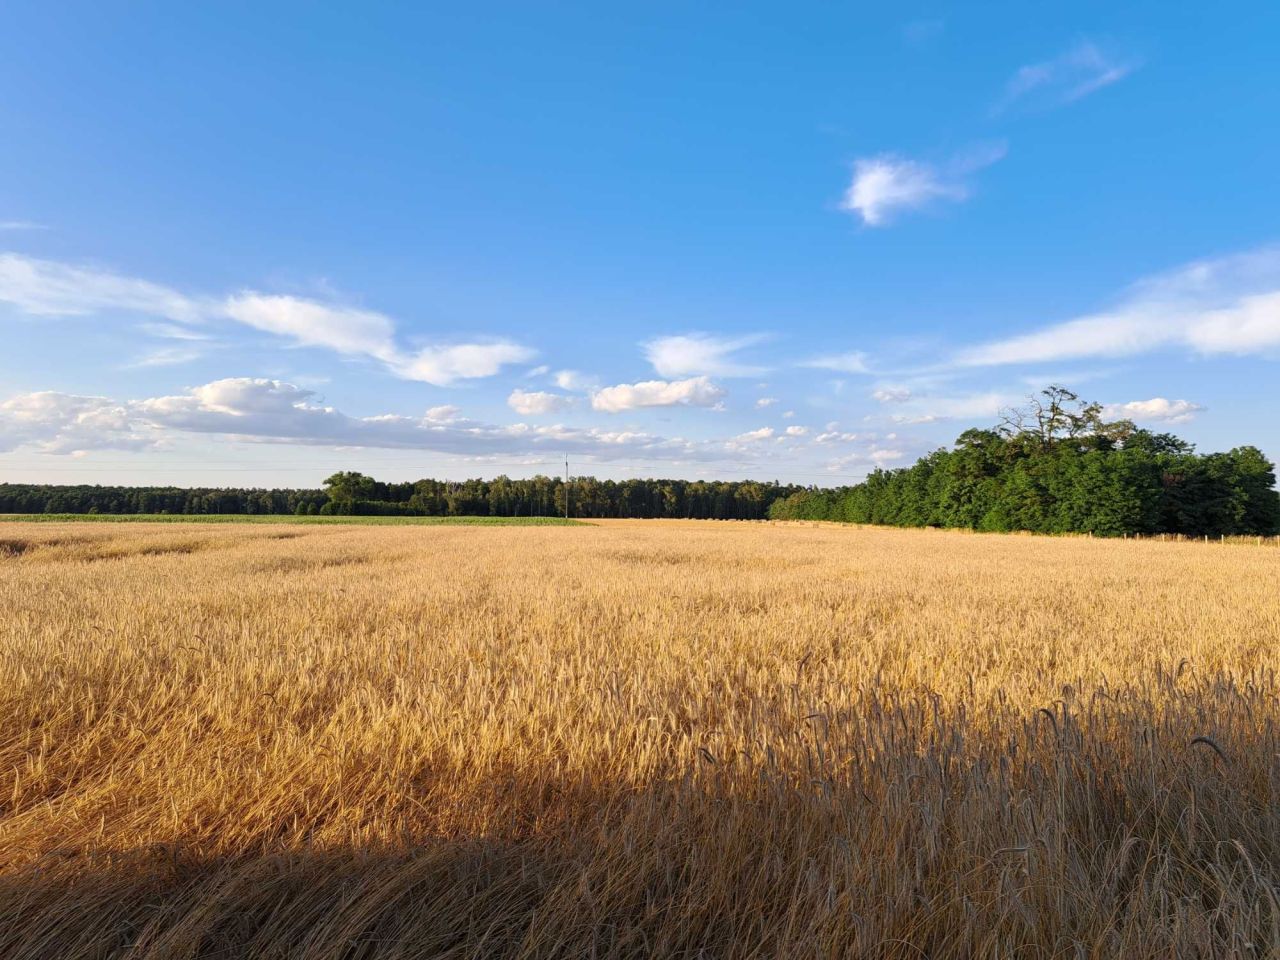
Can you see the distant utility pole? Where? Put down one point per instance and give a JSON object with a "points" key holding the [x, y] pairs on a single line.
{"points": [[566, 486]]}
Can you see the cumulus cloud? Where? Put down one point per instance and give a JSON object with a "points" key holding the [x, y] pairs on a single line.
{"points": [[754, 436], [273, 411], [1072, 75], [797, 431], [701, 354], [52, 422], [765, 402], [863, 461], [1229, 305], [885, 185], [532, 403], [834, 435], [1156, 409], [442, 366], [693, 392]]}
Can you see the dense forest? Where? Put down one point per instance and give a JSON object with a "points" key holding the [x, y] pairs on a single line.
{"points": [[1055, 466], [355, 493]]}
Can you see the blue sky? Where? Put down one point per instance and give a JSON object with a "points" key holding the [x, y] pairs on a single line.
{"points": [[250, 244]]}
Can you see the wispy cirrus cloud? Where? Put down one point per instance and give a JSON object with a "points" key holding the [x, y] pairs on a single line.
{"points": [[886, 185], [167, 357], [1228, 305], [1074, 74], [852, 362], [21, 225], [702, 354], [45, 288]]}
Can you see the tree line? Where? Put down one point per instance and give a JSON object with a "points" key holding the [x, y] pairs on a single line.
{"points": [[356, 493], [1056, 466]]}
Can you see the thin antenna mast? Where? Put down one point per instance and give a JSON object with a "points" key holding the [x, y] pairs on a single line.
{"points": [[566, 486]]}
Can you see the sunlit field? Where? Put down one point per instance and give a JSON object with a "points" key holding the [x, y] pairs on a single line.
{"points": [[634, 739]]}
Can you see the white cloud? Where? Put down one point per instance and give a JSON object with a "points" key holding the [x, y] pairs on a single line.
{"points": [[539, 371], [1157, 409], [171, 331], [1227, 305], [167, 357], [312, 324], [531, 403], [443, 413], [971, 406], [797, 431], [854, 362], [753, 436], [891, 394], [273, 411], [46, 288], [701, 354], [356, 332], [1071, 76], [21, 225], [885, 185], [694, 392], [765, 402], [574, 381], [51, 422], [464, 361]]}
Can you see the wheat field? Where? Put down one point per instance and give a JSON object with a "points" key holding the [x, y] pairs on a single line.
{"points": [[634, 739]]}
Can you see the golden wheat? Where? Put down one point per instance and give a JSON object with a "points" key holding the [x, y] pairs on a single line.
{"points": [[634, 739]]}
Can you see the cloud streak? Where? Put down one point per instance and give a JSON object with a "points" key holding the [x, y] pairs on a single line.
{"points": [[886, 185], [1229, 305], [45, 288], [1072, 75]]}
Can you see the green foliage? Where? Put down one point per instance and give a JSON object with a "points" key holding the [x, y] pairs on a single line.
{"points": [[1057, 467], [352, 494]]}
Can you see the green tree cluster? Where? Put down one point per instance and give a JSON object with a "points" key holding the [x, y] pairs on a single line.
{"points": [[1055, 466], [542, 496], [355, 493]]}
